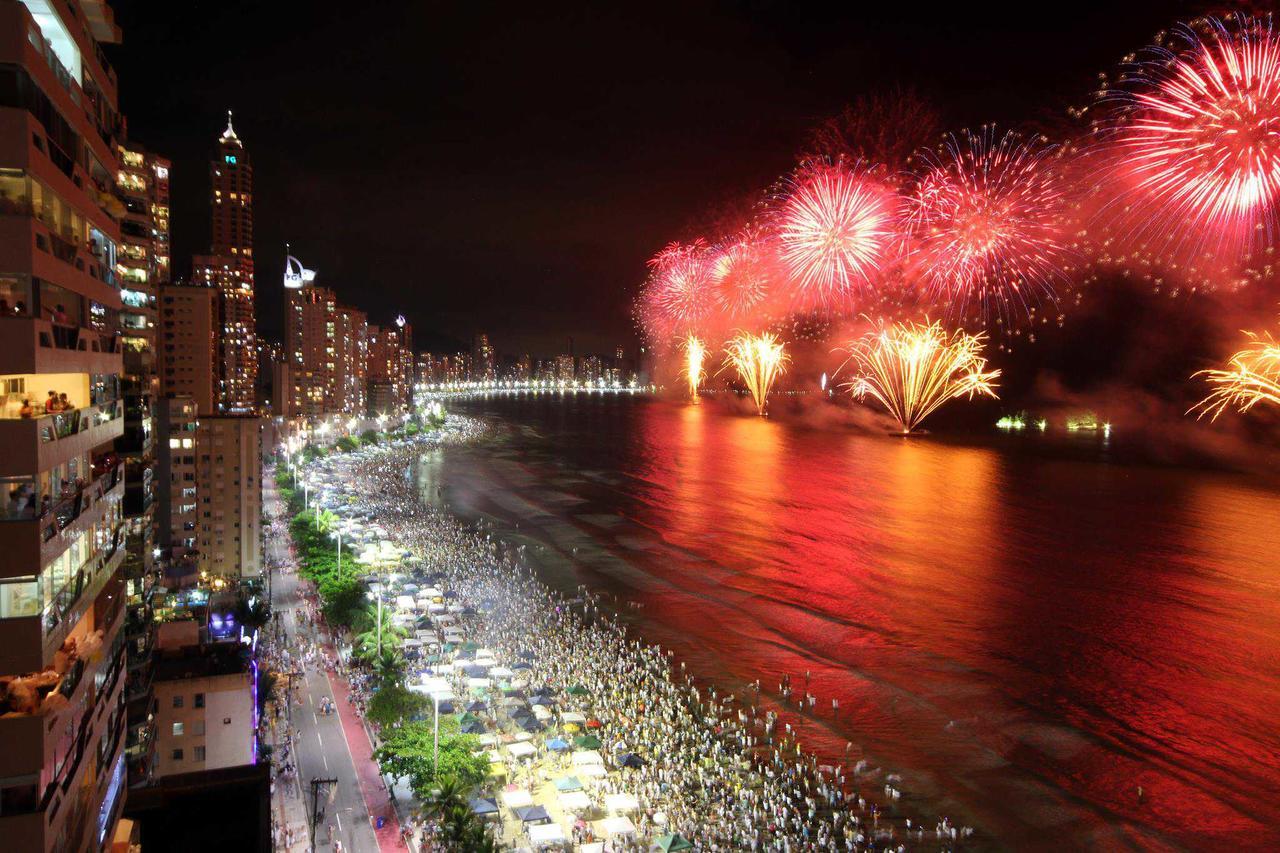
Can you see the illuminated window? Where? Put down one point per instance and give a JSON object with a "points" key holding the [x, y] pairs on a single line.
{"points": [[231, 158]]}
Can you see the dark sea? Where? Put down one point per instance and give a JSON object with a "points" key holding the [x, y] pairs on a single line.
{"points": [[1025, 631]]}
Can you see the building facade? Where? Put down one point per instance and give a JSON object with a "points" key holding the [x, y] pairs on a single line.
{"points": [[228, 474], [189, 329], [62, 596], [205, 718], [228, 269]]}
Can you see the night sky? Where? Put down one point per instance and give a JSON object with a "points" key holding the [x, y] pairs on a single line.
{"points": [[510, 167]]}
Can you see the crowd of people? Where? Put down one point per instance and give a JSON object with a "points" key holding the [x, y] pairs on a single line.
{"points": [[726, 773]]}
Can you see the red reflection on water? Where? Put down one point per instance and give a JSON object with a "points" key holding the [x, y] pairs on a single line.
{"points": [[1034, 638]]}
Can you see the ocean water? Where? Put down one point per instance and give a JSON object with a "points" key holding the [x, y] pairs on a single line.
{"points": [[1024, 635]]}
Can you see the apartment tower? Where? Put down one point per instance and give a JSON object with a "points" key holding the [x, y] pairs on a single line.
{"points": [[62, 589]]}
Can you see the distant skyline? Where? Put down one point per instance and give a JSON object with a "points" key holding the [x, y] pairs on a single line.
{"points": [[481, 171]]}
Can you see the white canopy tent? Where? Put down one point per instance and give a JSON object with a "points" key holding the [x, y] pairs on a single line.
{"points": [[546, 833], [621, 803], [517, 798]]}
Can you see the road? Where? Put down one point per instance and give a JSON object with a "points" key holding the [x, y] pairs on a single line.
{"points": [[320, 747]]}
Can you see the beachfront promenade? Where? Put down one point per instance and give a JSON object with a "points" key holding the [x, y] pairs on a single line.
{"points": [[592, 738]]}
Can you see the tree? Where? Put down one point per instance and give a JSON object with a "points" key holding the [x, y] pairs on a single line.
{"points": [[369, 436], [389, 667], [347, 443], [406, 753], [341, 598], [392, 704]]}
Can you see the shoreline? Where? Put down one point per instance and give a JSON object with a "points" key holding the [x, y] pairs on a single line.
{"points": [[834, 792], [557, 567]]}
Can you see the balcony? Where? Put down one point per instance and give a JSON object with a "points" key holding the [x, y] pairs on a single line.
{"points": [[28, 245], [31, 445], [33, 345]]}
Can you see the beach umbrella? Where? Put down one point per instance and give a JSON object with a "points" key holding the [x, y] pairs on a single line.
{"points": [[474, 671], [557, 744], [530, 725], [674, 841], [475, 727], [477, 706], [521, 665], [467, 717], [542, 699], [577, 690], [632, 760], [571, 727], [586, 742], [593, 724]]}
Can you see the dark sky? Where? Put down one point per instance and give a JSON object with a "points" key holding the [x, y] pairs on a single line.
{"points": [[510, 167]]}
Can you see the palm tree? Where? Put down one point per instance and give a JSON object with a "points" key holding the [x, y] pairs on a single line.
{"points": [[389, 667]]}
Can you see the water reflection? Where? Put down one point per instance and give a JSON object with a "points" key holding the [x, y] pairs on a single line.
{"points": [[1028, 638]]}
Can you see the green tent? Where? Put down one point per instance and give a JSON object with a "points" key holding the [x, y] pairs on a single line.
{"points": [[675, 841], [586, 742], [577, 690]]}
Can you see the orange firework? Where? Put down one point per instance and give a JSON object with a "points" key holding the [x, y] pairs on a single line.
{"points": [[759, 360], [911, 369], [1252, 376]]}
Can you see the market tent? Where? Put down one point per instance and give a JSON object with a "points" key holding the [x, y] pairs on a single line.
{"points": [[671, 843], [595, 771], [575, 801], [501, 672], [532, 814], [588, 756], [547, 833], [522, 749], [620, 803], [612, 826], [517, 798], [568, 783], [484, 805], [572, 717]]}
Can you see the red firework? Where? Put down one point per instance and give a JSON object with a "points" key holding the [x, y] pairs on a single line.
{"points": [[835, 232], [985, 224], [740, 273], [680, 291], [1195, 140]]}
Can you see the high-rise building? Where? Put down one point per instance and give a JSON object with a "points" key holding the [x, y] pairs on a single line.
{"points": [[62, 591], [228, 268], [142, 184], [390, 368], [176, 511], [483, 360], [351, 361], [564, 368], [327, 353], [188, 343], [228, 474]]}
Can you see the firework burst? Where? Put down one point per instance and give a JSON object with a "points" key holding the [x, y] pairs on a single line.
{"points": [[759, 360], [740, 273], [694, 372], [680, 295], [835, 231], [1194, 139], [985, 225], [912, 369], [1252, 376]]}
